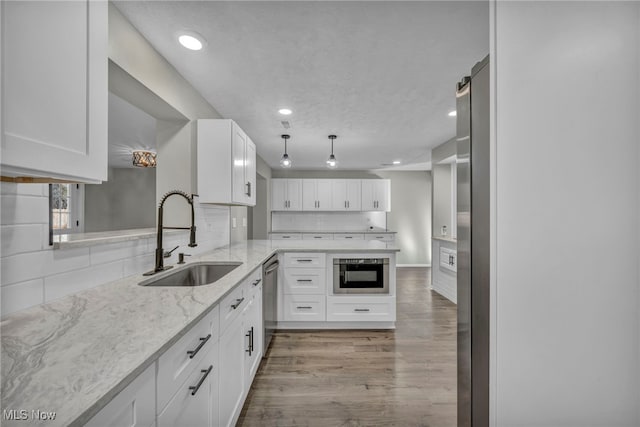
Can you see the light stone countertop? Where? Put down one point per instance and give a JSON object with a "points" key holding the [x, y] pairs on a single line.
{"points": [[445, 239], [73, 355], [335, 232]]}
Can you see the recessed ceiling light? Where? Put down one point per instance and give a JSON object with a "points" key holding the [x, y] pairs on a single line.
{"points": [[396, 162], [285, 111], [190, 41], [452, 113]]}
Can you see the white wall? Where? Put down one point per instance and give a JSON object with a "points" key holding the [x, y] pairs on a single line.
{"points": [[566, 281], [33, 273]]}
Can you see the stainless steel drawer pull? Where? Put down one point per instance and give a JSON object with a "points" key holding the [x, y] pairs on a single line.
{"points": [[249, 334], [286, 237], [305, 260], [194, 388], [348, 237], [237, 304], [257, 282], [361, 310], [305, 307], [317, 237], [304, 280], [203, 341]]}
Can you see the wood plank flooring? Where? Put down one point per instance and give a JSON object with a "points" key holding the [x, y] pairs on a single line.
{"points": [[405, 377]]}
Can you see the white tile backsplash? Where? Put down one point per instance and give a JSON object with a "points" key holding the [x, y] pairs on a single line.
{"points": [[32, 272], [15, 239], [59, 285], [328, 221], [21, 295]]}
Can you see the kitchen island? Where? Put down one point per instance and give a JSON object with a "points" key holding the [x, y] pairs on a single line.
{"points": [[74, 355]]}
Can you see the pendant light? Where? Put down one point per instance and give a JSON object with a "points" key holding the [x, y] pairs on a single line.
{"points": [[332, 163], [285, 161]]}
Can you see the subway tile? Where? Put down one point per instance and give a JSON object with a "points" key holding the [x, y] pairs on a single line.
{"points": [[22, 295], [59, 285], [18, 209], [111, 252], [25, 189], [15, 239], [31, 265], [139, 264]]}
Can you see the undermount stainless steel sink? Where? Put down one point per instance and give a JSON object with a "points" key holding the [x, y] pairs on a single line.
{"points": [[196, 274]]}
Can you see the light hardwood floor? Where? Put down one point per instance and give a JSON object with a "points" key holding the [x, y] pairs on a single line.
{"points": [[405, 377]]}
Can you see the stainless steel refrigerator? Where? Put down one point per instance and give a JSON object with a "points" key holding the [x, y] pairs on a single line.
{"points": [[473, 210]]}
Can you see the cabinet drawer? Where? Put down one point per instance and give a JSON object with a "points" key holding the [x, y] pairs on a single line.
{"points": [[308, 260], [286, 236], [311, 236], [382, 237], [309, 308], [177, 363], [305, 281], [189, 409], [253, 283], [133, 406], [231, 306], [358, 309], [348, 236]]}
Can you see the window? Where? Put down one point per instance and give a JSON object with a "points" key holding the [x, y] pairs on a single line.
{"points": [[66, 205]]}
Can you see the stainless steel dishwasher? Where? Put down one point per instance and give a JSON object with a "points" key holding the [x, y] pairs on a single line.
{"points": [[269, 299]]}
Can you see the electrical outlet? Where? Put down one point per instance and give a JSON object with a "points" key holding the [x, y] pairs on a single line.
{"points": [[233, 223], [244, 222]]}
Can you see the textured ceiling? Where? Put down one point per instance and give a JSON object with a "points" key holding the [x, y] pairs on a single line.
{"points": [[380, 75], [129, 129]]}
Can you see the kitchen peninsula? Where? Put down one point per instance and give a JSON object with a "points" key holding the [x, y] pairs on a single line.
{"points": [[82, 354]]}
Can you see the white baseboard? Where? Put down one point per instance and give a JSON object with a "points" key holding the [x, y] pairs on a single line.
{"points": [[449, 292], [413, 265]]}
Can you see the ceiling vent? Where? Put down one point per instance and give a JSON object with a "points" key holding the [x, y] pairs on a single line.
{"points": [[285, 124]]}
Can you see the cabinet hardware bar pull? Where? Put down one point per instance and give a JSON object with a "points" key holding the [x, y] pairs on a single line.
{"points": [[348, 237], [345, 203], [304, 307], [248, 193], [286, 237], [363, 310], [304, 280], [251, 341], [317, 237], [305, 260], [257, 282], [203, 341], [196, 387], [237, 304]]}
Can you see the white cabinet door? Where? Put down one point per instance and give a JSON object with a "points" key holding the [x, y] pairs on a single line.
{"points": [[278, 194], [309, 195], [226, 163], [231, 383], [286, 194], [252, 322], [238, 150], [135, 406], [324, 194], [191, 405], [376, 195], [353, 192], [339, 194], [250, 172], [294, 194], [55, 90]]}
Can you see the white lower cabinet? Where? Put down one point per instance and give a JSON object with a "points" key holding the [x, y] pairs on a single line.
{"points": [[356, 308], [252, 322], [196, 401], [135, 406], [304, 308]]}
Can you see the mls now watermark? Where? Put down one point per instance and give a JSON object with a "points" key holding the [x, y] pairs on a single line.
{"points": [[25, 415]]}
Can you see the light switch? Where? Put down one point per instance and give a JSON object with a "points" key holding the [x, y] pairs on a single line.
{"points": [[233, 223], [244, 222]]}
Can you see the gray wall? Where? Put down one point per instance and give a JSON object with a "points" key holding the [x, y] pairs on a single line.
{"points": [[565, 318], [410, 212], [441, 198], [127, 200]]}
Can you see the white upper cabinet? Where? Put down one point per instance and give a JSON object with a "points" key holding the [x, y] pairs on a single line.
{"points": [[347, 194], [55, 90], [226, 163], [376, 195], [317, 195], [286, 194]]}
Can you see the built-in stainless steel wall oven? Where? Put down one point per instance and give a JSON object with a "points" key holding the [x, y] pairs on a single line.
{"points": [[361, 276]]}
